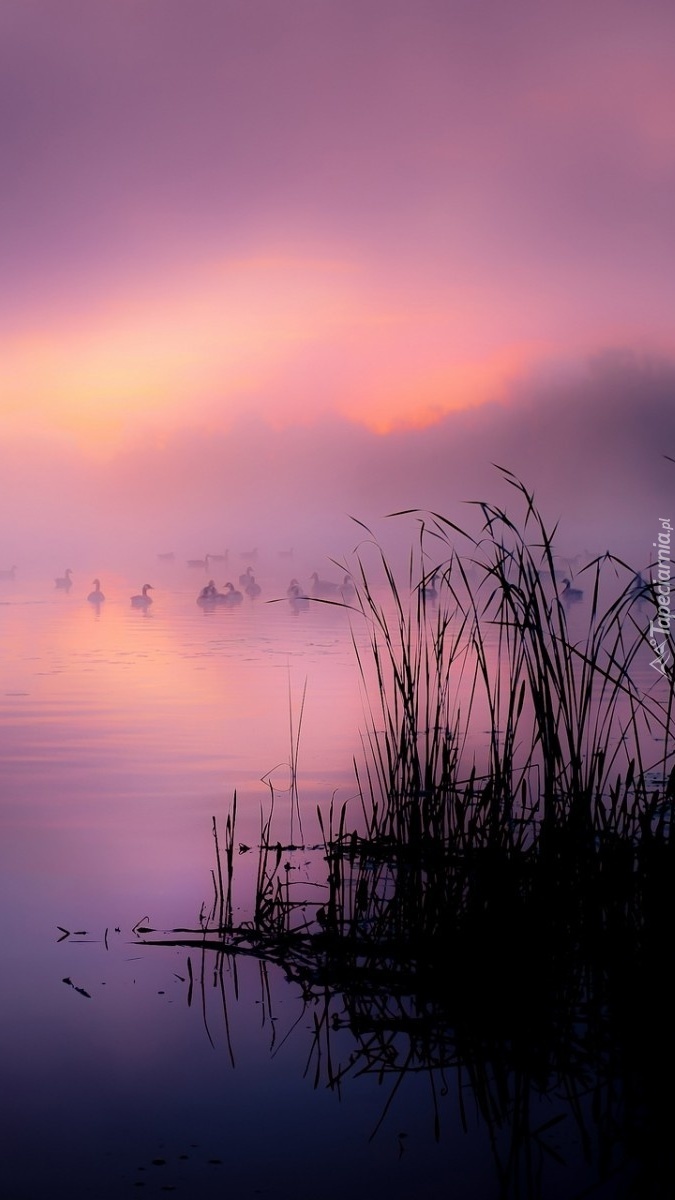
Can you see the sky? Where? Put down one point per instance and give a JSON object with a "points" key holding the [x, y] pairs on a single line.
{"points": [[268, 261]]}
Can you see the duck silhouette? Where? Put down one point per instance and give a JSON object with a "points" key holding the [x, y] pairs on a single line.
{"points": [[297, 599], [252, 588], [209, 594], [429, 590], [143, 600], [325, 589], [640, 588], [96, 597], [570, 593], [231, 596]]}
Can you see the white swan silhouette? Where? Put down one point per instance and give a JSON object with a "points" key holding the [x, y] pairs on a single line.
{"points": [[64, 581]]}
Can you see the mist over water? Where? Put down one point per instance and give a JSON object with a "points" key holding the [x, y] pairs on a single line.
{"points": [[591, 448], [275, 272]]}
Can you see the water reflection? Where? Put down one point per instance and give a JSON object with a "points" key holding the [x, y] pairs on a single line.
{"points": [[476, 1007], [119, 736], [497, 1048]]}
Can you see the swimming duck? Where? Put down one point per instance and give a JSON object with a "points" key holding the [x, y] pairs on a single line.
{"points": [[429, 590], [252, 588], [324, 588], [570, 593], [296, 597], [209, 596], [231, 596], [347, 588], [144, 599], [96, 597], [639, 588]]}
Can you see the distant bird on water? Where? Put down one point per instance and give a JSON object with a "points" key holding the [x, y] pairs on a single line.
{"points": [[231, 596], [570, 593], [324, 588], [347, 588], [64, 581], [199, 564], [429, 590], [96, 597], [639, 588], [297, 599], [144, 600], [8, 573], [209, 595], [252, 588]]}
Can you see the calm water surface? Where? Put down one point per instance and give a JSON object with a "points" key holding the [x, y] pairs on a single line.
{"points": [[121, 735]]}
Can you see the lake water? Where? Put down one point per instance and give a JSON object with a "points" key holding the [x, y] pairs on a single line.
{"points": [[122, 733]]}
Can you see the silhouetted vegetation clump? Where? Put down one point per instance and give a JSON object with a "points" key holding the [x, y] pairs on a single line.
{"points": [[502, 903]]}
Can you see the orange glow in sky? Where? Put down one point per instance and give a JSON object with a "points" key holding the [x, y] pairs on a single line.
{"points": [[334, 214], [286, 338]]}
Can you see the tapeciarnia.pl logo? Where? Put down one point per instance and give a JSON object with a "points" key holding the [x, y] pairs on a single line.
{"points": [[659, 626]]}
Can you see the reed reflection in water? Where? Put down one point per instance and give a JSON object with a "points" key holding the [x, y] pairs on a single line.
{"points": [[466, 961]]}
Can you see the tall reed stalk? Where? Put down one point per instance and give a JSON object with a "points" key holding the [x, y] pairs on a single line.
{"points": [[566, 720]]}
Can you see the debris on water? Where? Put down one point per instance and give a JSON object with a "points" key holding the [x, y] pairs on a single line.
{"points": [[82, 991]]}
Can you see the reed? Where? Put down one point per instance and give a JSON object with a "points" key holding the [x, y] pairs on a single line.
{"points": [[503, 911], [567, 822], [567, 723]]}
